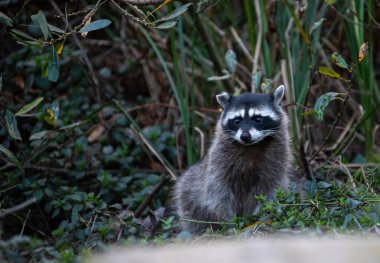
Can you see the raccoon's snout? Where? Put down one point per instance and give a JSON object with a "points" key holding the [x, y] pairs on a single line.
{"points": [[246, 137]]}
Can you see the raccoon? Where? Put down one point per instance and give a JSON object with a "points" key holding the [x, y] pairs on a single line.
{"points": [[249, 155]]}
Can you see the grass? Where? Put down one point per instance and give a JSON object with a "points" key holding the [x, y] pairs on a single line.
{"points": [[357, 35]]}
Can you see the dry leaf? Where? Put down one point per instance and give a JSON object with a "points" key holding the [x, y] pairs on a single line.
{"points": [[60, 48], [362, 51], [84, 34], [98, 131], [20, 81]]}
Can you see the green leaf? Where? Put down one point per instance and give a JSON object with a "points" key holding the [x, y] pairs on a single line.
{"points": [[74, 197], [56, 29], [310, 187], [37, 135], [38, 194], [4, 19], [40, 20], [323, 185], [98, 24], [26, 42], [231, 60], [322, 103], [53, 66], [11, 122], [55, 213], [339, 60], [75, 213], [179, 11], [330, 2], [347, 219], [330, 72], [29, 106], [44, 69], [308, 112], [23, 34], [352, 203], [12, 158], [167, 25]]}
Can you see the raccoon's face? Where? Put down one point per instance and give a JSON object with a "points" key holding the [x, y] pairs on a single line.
{"points": [[251, 117]]}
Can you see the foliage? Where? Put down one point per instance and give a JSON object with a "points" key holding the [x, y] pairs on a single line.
{"points": [[325, 207], [101, 101]]}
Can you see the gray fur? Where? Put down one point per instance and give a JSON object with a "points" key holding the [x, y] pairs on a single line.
{"points": [[223, 99], [279, 94], [223, 184]]}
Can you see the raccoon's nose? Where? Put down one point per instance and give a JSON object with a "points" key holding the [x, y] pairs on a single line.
{"points": [[245, 137]]}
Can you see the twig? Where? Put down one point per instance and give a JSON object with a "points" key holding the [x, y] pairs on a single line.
{"points": [[346, 129], [202, 151], [366, 180], [150, 197], [6, 166], [159, 156], [23, 225], [339, 116], [9, 188], [76, 40], [91, 230], [127, 14], [347, 171], [241, 43], [46, 168], [259, 39], [350, 137], [18, 207]]}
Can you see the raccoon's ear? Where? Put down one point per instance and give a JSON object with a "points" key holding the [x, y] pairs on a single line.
{"points": [[223, 99], [278, 94]]}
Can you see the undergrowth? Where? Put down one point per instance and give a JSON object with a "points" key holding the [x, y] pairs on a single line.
{"points": [[104, 104]]}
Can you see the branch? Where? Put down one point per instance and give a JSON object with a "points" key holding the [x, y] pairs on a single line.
{"points": [[76, 40], [46, 169], [150, 197], [339, 115], [18, 207]]}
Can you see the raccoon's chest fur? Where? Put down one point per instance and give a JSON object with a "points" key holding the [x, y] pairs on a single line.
{"points": [[244, 172]]}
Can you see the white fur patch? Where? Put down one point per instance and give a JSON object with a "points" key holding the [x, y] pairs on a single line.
{"points": [[233, 114], [251, 112], [256, 135], [263, 112], [237, 135]]}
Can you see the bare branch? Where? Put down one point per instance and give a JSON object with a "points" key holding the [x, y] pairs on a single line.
{"points": [[18, 207], [148, 199]]}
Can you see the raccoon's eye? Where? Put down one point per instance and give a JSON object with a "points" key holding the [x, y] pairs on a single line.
{"points": [[257, 119], [237, 121]]}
